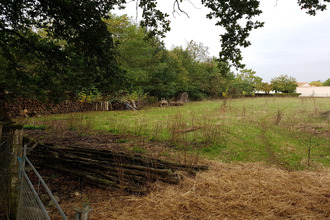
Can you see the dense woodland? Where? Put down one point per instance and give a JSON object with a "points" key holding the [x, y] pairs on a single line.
{"points": [[56, 50], [142, 66]]}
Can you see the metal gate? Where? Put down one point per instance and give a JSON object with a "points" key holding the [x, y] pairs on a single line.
{"points": [[30, 205], [19, 196]]}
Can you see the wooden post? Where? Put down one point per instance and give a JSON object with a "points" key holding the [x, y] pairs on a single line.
{"points": [[0, 133], [11, 137], [16, 167]]}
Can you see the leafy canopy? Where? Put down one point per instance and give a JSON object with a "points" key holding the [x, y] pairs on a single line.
{"points": [[326, 82], [284, 83], [51, 46], [78, 20]]}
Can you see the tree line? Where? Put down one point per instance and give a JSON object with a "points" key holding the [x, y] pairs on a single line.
{"points": [[51, 50], [142, 65]]}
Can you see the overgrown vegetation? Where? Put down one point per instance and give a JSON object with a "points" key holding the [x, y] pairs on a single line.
{"points": [[273, 130], [56, 61]]}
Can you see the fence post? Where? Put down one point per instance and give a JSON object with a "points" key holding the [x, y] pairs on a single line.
{"points": [[10, 168], [0, 133], [16, 169]]}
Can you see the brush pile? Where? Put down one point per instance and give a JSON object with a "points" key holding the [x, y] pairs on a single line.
{"points": [[109, 170], [24, 107]]}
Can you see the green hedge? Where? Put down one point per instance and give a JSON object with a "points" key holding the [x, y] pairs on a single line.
{"points": [[278, 95]]}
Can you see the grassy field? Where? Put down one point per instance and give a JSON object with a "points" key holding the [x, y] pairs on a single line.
{"points": [[292, 133]]}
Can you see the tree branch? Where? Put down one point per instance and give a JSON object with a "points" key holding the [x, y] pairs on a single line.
{"points": [[177, 4]]}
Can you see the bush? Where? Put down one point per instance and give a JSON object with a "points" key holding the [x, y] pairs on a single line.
{"points": [[278, 95], [34, 127]]}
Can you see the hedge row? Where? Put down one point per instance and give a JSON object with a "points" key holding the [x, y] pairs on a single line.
{"points": [[278, 95]]}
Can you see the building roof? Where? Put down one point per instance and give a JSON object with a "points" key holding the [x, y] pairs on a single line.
{"points": [[303, 84]]}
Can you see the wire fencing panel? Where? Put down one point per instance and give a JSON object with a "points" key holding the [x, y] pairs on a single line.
{"points": [[19, 197], [30, 205]]}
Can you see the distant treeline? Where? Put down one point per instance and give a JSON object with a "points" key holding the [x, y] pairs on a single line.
{"points": [[120, 61]]}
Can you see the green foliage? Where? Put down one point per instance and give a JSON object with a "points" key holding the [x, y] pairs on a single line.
{"points": [[238, 19], [122, 140], [284, 83], [316, 83], [135, 96], [213, 151], [34, 127], [245, 132], [50, 47], [230, 15], [53, 47], [246, 81], [326, 82], [266, 87], [151, 69], [126, 96], [139, 150], [89, 95], [278, 94]]}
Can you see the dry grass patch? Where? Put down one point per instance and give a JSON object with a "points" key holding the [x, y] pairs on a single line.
{"points": [[226, 191]]}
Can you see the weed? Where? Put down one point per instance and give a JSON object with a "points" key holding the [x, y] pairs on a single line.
{"points": [[114, 130], [54, 176], [164, 154], [309, 146], [204, 125], [213, 151], [278, 117], [244, 111], [122, 140], [138, 150], [152, 139], [34, 127], [223, 107]]}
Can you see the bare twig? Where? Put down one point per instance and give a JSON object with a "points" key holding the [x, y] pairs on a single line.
{"points": [[193, 4], [176, 4]]}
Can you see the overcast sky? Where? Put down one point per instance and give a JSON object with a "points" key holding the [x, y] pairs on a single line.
{"points": [[291, 42]]}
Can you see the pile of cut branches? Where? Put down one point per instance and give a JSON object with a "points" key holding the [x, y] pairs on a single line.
{"points": [[109, 170]]}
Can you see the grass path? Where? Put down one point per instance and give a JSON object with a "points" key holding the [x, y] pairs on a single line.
{"points": [[274, 130]]}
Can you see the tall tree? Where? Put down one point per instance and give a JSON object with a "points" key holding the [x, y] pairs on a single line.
{"points": [[326, 82], [88, 55], [316, 83], [40, 65], [284, 83], [238, 19], [246, 81]]}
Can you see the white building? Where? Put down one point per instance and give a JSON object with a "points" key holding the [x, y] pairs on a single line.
{"points": [[322, 91]]}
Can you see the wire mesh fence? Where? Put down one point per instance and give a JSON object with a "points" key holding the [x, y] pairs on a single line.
{"points": [[31, 207], [19, 196]]}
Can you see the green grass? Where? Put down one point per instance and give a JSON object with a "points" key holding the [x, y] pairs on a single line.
{"points": [[273, 130], [34, 127]]}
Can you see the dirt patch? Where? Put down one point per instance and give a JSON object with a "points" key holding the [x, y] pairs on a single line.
{"points": [[107, 141], [226, 191], [96, 140]]}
